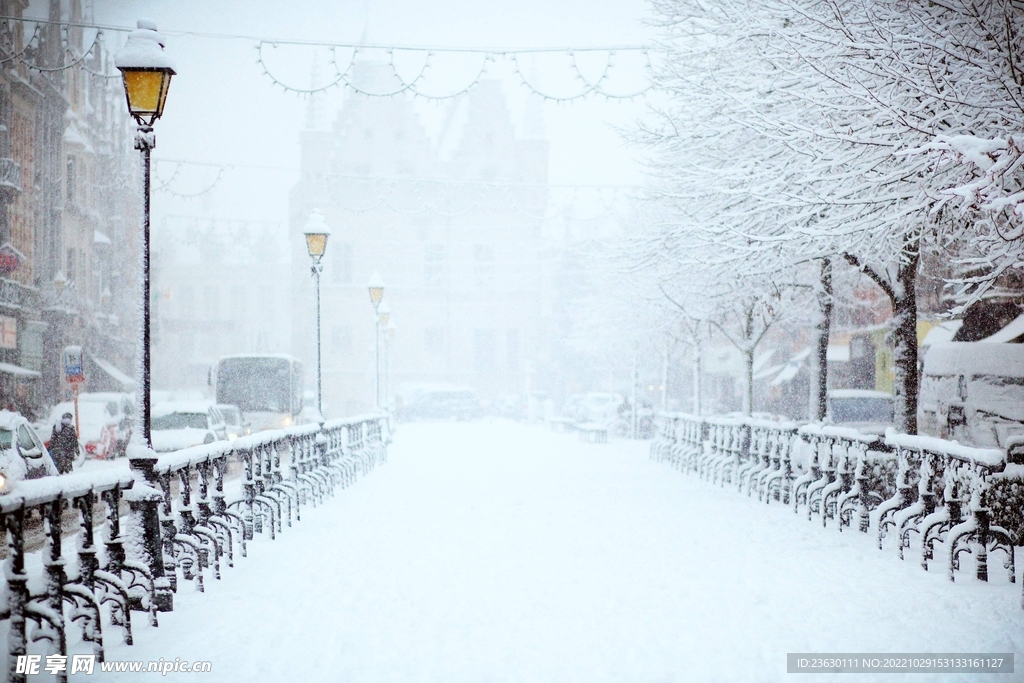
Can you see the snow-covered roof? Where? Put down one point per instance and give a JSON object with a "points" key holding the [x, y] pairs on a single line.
{"points": [[118, 376], [1013, 330], [99, 238], [975, 358], [18, 371], [943, 332]]}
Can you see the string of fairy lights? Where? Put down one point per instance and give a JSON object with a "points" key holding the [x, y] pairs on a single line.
{"points": [[345, 55], [400, 195]]}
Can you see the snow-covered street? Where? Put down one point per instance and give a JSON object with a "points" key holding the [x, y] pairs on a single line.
{"points": [[497, 551]]}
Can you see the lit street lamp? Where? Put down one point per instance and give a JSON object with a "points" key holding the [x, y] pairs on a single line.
{"points": [[146, 71], [316, 233], [376, 289]]}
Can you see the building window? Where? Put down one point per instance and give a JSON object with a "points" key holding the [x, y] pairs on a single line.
{"points": [[341, 339], [483, 350], [71, 180], [512, 351], [434, 271], [433, 341], [343, 265], [69, 270]]}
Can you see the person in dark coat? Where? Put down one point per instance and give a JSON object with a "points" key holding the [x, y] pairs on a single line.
{"points": [[64, 444]]}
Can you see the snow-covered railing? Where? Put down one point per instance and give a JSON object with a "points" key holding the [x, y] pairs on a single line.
{"points": [[941, 493], [204, 515]]}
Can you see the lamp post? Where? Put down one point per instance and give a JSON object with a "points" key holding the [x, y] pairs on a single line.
{"points": [[316, 233], [383, 316], [376, 289], [389, 356], [146, 71]]}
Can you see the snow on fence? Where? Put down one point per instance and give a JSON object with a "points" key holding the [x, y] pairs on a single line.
{"points": [[945, 495], [201, 525]]}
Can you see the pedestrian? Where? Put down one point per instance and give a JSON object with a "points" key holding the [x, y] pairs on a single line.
{"points": [[64, 444]]}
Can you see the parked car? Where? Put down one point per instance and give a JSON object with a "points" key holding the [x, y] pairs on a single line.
{"points": [[235, 424], [443, 403], [973, 392], [104, 422], [180, 424], [22, 453], [868, 411]]}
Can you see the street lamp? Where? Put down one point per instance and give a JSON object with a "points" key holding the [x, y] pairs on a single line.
{"points": [[146, 70], [383, 316], [376, 289], [316, 233], [389, 357]]}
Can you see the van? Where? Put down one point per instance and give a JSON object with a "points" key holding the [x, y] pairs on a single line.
{"points": [[973, 392]]}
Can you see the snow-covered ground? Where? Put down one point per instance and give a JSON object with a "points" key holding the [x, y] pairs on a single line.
{"points": [[501, 552]]}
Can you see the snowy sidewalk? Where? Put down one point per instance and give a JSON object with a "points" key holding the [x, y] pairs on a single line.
{"points": [[500, 552]]}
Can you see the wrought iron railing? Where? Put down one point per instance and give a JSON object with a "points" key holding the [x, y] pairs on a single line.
{"points": [[202, 525], [940, 493]]}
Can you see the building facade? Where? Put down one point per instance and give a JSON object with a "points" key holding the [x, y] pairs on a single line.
{"points": [[453, 226], [69, 209]]}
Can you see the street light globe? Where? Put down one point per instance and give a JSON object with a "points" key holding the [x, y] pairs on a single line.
{"points": [[146, 70], [384, 311], [316, 232], [376, 287]]}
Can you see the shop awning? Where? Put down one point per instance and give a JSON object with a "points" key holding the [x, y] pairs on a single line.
{"points": [[126, 382], [20, 372]]}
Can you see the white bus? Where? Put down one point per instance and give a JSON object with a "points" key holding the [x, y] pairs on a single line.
{"points": [[267, 387]]}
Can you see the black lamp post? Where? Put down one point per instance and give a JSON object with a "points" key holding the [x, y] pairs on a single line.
{"points": [[376, 288], [147, 72], [316, 233]]}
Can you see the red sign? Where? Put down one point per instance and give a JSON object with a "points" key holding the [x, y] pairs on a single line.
{"points": [[10, 259]]}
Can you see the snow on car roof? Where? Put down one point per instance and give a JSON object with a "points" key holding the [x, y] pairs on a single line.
{"points": [[171, 407], [10, 420], [857, 393], [975, 358]]}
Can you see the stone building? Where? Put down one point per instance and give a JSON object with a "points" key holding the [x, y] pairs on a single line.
{"points": [[452, 224], [69, 208]]}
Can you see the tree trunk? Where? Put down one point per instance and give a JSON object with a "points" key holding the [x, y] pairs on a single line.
{"points": [[904, 307], [819, 354], [664, 381], [748, 390], [696, 377]]}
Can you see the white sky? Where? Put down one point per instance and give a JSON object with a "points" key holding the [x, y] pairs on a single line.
{"points": [[222, 109]]}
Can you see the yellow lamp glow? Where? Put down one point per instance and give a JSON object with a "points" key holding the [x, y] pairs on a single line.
{"points": [[316, 233], [376, 287], [146, 71]]}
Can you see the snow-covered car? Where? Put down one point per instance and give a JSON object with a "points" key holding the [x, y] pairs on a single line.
{"points": [[180, 424], [455, 403], [22, 453], [104, 423], [868, 411], [973, 392], [235, 424]]}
